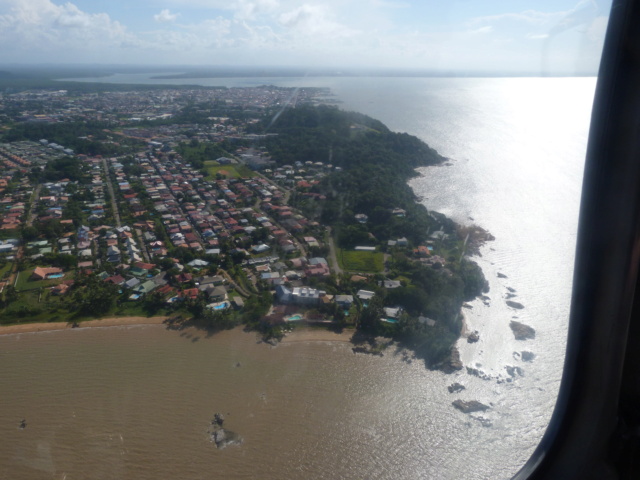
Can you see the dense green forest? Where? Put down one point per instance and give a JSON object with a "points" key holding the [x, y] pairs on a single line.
{"points": [[376, 165]]}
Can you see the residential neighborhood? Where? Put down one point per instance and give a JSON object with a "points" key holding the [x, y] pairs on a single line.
{"points": [[175, 205]]}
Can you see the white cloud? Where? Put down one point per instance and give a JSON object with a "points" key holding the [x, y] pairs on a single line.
{"points": [[314, 20], [541, 36], [482, 30], [165, 16], [248, 10], [331, 32], [389, 4], [44, 27]]}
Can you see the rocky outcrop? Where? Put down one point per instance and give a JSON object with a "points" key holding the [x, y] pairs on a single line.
{"points": [[455, 388], [368, 350], [527, 356], [221, 436], [513, 304], [485, 422], [514, 371], [478, 373], [502, 275], [452, 363], [473, 337], [470, 406], [522, 331]]}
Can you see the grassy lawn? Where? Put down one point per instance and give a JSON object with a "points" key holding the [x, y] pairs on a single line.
{"points": [[229, 171], [27, 309], [5, 269], [24, 282], [355, 261]]}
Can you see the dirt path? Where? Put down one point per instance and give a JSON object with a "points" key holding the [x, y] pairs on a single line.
{"points": [[332, 254]]}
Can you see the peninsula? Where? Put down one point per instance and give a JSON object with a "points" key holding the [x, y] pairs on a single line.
{"points": [[217, 207]]}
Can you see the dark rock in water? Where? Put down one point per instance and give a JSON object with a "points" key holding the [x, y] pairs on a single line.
{"points": [[366, 350], [485, 422], [221, 436], [473, 337], [478, 373], [452, 363], [455, 388], [23, 424], [512, 290], [218, 419], [466, 305], [522, 331], [510, 295], [485, 298], [470, 406], [502, 275], [527, 356], [513, 371], [513, 304]]}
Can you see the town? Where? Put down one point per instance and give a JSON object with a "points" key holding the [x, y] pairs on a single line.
{"points": [[169, 202]]}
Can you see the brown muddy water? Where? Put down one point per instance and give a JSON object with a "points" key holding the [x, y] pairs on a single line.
{"points": [[136, 402]]}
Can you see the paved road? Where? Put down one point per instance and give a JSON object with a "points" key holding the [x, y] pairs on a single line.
{"points": [[34, 201], [238, 288], [114, 204], [143, 245]]}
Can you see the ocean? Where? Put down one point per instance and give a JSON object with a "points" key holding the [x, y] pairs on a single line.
{"points": [[135, 402]]}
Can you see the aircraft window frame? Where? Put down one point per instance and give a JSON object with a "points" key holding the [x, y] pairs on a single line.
{"points": [[590, 435]]}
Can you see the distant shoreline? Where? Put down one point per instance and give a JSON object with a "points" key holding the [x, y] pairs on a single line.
{"points": [[104, 322]]}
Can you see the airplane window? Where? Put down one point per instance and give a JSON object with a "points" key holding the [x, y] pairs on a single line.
{"points": [[279, 239]]}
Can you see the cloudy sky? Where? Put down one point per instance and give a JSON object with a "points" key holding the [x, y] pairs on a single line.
{"points": [[558, 36]]}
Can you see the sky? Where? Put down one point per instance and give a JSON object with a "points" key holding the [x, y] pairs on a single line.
{"points": [[517, 36]]}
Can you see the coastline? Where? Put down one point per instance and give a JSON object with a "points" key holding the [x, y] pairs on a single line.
{"points": [[298, 335], [317, 335], [104, 322]]}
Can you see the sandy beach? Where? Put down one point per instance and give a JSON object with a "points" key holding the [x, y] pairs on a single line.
{"points": [[298, 335], [317, 335], [103, 322]]}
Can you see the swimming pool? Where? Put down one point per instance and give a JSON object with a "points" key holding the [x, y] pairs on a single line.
{"points": [[295, 318], [221, 306], [55, 275]]}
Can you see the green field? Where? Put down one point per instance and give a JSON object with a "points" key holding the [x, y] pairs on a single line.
{"points": [[25, 282], [229, 171], [366, 262]]}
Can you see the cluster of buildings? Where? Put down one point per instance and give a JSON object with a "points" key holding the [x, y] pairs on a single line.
{"points": [[129, 107], [132, 219]]}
